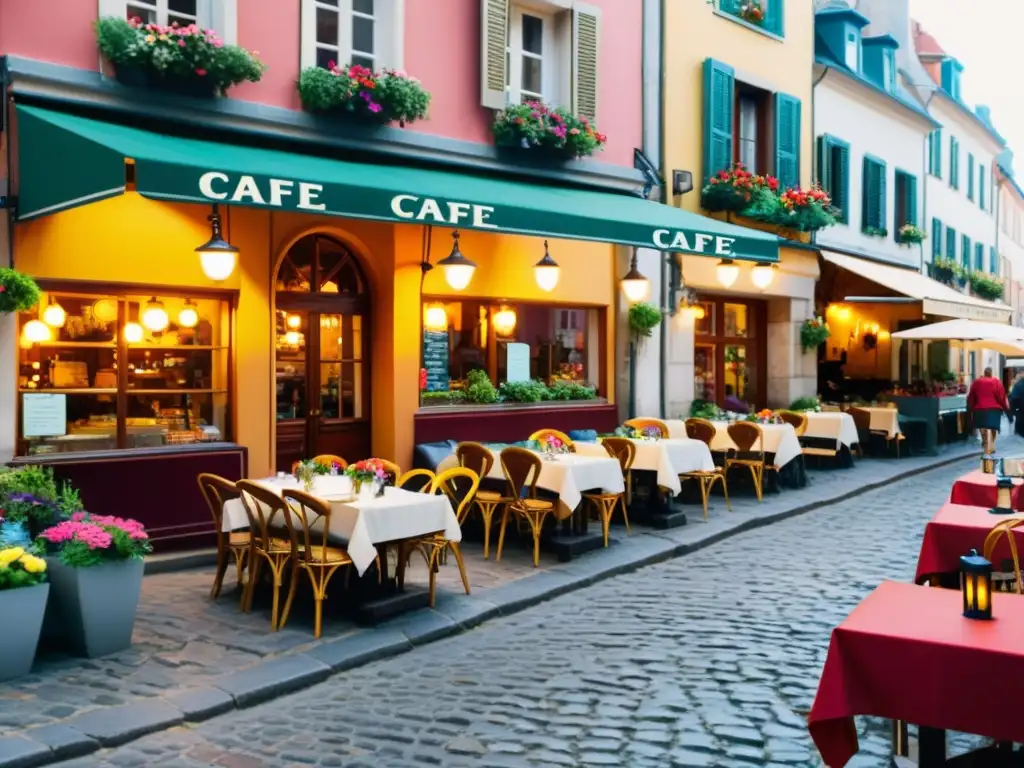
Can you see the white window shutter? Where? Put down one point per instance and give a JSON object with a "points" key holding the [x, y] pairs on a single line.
{"points": [[117, 8], [586, 25], [307, 34], [493, 37]]}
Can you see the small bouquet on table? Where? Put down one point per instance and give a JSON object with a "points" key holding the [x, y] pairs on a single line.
{"points": [[553, 447], [647, 434], [369, 477]]}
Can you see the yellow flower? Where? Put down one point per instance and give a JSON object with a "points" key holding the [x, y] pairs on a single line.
{"points": [[150, 39], [33, 564], [165, 38], [10, 555]]}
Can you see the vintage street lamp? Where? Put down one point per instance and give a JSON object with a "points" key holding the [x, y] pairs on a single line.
{"points": [[546, 271], [976, 585], [727, 271], [217, 256], [634, 284], [458, 270]]}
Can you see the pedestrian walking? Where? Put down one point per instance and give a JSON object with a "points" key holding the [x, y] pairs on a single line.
{"points": [[987, 403], [1017, 404]]}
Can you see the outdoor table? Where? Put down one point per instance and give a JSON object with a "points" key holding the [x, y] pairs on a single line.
{"points": [[977, 489], [955, 530], [883, 419], [569, 476], [676, 428], [832, 425], [906, 653], [362, 527], [666, 458], [779, 439]]}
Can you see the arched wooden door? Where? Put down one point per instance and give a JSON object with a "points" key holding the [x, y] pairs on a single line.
{"points": [[322, 371]]}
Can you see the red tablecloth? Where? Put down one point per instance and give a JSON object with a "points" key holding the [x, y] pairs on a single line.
{"points": [[976, 489], [906, 653], [956, 530]]}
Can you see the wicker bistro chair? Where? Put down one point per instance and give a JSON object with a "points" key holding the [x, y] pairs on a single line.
{"points": [[522, 468], [416, 480], [329, 459], [624, 451], [434, 547], [797, 420], [645, 423], [267, 513], [392, 469], [543, 434], [314, 553], [862, 419], [477, 457], [704, 430], [1005, 528], [809, 446], [746, 435], [217, 490]]}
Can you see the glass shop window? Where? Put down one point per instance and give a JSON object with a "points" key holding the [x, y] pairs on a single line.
{"points": [[101, 372]]}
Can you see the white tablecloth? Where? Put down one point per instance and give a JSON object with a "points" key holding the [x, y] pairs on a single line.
{"points": [[568, 476], [883, 419], [360, 526], [779, 439], [832, 425], [676, 428], [668, 458]]}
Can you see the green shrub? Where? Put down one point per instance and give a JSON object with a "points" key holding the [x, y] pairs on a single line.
{"points": [[804, 404], [644, 317], [523, 391], [479, 388], [381, 97], [704, 409], [571, 390], [18, 292]]}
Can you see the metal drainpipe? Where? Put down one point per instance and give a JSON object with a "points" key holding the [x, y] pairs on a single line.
{"points": [[814, 144], [663, 341]]}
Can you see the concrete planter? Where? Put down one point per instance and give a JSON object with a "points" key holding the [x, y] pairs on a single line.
{"points": [[22, 610], [92, 610]]}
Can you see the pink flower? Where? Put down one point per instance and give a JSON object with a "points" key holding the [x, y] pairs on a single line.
{"points": [[374, 107], [200, 71], [181, 43]]}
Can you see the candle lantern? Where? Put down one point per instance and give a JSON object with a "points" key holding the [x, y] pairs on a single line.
{"points": [[988, 464], [1004, 497], [976, 585]]}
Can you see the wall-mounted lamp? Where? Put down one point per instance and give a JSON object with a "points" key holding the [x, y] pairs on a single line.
{"points": [[546, 271], [458, 270], [35, 331], [217, 256], [505, 321], [682, 182], [188, 317], [154, 317], [54, 314], [634, 284], [762, 275], [728, 272], [435, 318]]}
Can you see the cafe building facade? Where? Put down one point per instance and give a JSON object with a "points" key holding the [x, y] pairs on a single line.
{"points": [[230, 288]]}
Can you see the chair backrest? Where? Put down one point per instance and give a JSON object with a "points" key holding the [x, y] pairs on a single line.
{"points": [[447, 482], [216, 490], [392, 469], [861, 418], [521, 469], [701, 429], [421, 480], [265, 510], [301, 512], [329, 459], [642, 424], [746, 435], [798, 420], [541, 436], [476, 456], [992, 540], [621, 449]]}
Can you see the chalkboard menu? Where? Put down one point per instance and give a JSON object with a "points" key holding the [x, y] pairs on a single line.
{"points": [[435, 360]]}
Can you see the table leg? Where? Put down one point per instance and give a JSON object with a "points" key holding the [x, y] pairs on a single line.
{"points": [[931, 747], [900, 743]]}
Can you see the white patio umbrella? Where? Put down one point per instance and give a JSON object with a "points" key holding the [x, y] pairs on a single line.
{"points": [[958, 332]]}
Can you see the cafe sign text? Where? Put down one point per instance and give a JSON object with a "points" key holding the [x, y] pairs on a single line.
{"points": [[697, 242]]}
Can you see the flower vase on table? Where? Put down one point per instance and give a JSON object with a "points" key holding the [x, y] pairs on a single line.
{"points": [[366, 476], [553, 446]]}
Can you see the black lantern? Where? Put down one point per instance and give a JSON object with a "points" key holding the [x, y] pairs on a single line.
{"points": [[1004, 497], [976, 585]]}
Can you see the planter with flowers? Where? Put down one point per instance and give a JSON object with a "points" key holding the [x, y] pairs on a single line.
{"points": [[765, 416], [31, 500], [752, 11], [368, 477], [814, 333], [95, 564], [946, 271], [184, 59], [986, 286], [18, 292], [805, 210], [536, 127], [737, 190], [23, 594], [377, 98], [909, 234]]}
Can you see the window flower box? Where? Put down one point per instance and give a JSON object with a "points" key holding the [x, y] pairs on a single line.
{"points": [[909, 234], [536, 127], [805, 210], [377, 98], [183, 59], [986, 286], [946, 271], [23, 594], [736, 190]]}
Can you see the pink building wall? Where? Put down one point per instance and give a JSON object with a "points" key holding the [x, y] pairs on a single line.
{"points": [[442, 49]]}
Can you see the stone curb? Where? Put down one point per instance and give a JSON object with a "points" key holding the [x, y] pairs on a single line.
{"points": [[453, 614]]}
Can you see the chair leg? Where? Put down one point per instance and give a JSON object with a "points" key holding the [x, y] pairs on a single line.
{"points": [[218, 577], [277, 569], [403, 562], [536, 523], [255, 563], [625, 514], [487, 510], [435, 555], [725, 490], [605, 512], [501, 533], [704, 495], [757, 480], [291, 593], [462, 566], [240, 561]]}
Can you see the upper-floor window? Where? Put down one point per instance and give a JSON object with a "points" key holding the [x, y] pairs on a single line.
{"points": [[167, 12], [346, 32], [532, 57], [851, 50], [889, 70], [765, 14]]}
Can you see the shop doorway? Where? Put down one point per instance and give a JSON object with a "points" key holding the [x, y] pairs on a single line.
{"points": [[729, 351], [321, 368]]}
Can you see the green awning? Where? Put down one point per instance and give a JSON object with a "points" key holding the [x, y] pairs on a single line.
{"points": [[67, 161]]}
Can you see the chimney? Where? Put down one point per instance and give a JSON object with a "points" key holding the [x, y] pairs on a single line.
{"points": [[984, 113]]}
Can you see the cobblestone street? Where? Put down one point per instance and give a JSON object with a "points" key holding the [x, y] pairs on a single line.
{"points": [[707, 660]]}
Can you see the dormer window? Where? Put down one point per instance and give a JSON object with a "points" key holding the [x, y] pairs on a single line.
{"points": [[889, 71], [951, 70], [879, 61], [851, 50]]}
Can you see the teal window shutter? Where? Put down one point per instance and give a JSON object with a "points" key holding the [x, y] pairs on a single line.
{"points": [[719, 101], [981, 186], [936, 239], [775, 17], [965, 251], [970, 176], [910, 185], [834, 173], [950, 243], [954, 163], [979, 257], [825, 162], [993, 260], [873, 197], [787, 140], [935, 153]]}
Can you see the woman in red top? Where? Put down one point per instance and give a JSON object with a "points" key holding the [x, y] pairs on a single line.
{"points": [[987, 402]]}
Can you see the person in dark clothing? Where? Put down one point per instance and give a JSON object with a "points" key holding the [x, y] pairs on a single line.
{"points": [[1017, 404], [733, 403]]}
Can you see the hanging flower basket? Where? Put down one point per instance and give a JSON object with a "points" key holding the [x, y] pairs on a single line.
{"points": [[18, 292], [986, 286], [378, 98], [805, 210], [814, 333], [534, 126], [909, 234], [183, 59]]}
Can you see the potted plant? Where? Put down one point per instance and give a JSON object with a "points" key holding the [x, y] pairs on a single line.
{"points": [[95, 564], [388, 96], [986, 286], [805, 210], [737, 190], [814, 333], [880, 232], [30, 501], [185, 59], [644, 317], [23, 593], [909, 234], [535, 126], [18, 292]]}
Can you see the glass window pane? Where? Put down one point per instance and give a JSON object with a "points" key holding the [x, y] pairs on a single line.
{"points": [[331, 337], [704, 372], [175, 419], [533, 34], [295, 273], [290, 364], [91, 425], [155, 369], [327, 26], [341, 391], [736, 320], [187, 7], [531, 82], [363, 6], [705, 326], [324, 58], [362, 34], [146, 12], [363, 61], [736, 372]]}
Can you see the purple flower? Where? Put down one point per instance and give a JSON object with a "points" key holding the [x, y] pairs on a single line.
{"points": [[374, 107]]}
